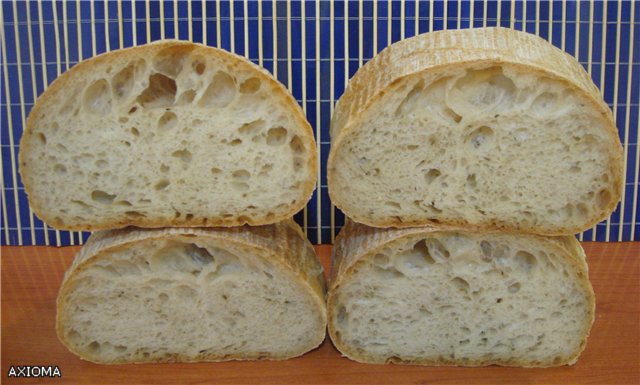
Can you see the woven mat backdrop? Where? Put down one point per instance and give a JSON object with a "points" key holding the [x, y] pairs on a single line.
{"points": [[313, 48]]}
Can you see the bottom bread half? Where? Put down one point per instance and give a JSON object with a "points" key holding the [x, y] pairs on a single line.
{"points": [[450, 297], [193, 295]]}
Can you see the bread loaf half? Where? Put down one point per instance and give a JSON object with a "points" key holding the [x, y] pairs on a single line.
{"points": [[490, 128], [183, 295], [166, 134], [448, 297]]}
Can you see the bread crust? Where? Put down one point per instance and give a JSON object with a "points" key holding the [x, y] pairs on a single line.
{"points": [[282, 244], [449, 51], [65, 82], [358, 242]]}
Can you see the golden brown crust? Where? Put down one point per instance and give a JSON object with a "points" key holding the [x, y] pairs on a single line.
{"points": [[357, 242], [447, 51], [65, 82], [282, 243]]}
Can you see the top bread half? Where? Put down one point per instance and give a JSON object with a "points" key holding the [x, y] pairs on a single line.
{"points": [[484, 128], [167, 134]]}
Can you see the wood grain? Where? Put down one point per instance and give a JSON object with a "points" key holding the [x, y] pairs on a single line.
{"points": [[31, 277]]}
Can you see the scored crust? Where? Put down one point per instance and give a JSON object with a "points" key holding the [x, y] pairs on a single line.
{"points": [[357, 242], [282, 244], [446, 52], [66, 85]]}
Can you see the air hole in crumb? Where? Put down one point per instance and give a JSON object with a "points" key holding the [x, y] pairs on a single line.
{"points": [[188, 217], [514, 288], [102, 197], [250, 85], [161, 92], [241, 186], [276, 136], [603, 199], [461, 284], [392, 205], [198, 67], [526, 260], [431, 175], [133, 110], [215, 170], [184, 155], [164, 168], [60, 169], [94, 346], [251, 128], [97, 97], [123, 203], [471, 180], [220, 92], [42, 137], [135, 214], [167, 121], [480, 137], [241, 175], [296, 145], [412, 147], [186, 97], [161, 185], [123, 81], [135, 132], [235, 142]]}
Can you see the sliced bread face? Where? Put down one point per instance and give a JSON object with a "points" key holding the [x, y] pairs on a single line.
{"points": [[167, 134], [186, 295], [430, 297], [488, 128]]}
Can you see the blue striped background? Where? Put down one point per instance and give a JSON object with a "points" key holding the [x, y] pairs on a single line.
{"points": [[602, 43]]}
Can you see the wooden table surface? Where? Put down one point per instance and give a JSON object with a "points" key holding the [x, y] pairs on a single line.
{"points": [[31, 277]]}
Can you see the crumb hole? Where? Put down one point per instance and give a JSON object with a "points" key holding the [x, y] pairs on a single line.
{"points": [[102, 197]]}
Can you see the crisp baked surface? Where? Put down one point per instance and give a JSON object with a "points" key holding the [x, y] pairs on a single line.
{"points": [[487, 128], [193, 294], [451, 297], [166, 134]]}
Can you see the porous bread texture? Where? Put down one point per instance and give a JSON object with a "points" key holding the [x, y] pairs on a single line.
{"points": [[186, 295], [487, 128], [449, 297], [166, 134]]}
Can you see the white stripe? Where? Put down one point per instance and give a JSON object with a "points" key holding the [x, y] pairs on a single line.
{"points": [[512, 17], [472, 13], [627, 127], [445, 16], [402, 20], [331, 84], [499, 14], [218, 28], [65, 32], [260, 47], [232, 31], [577, 51], [417, 19], [375, 28], [106, 26], [564, 24], [148, 20], [190, 22], [162, 35], [274, 25], [484, 14], [58, 72], [134, 30], [625, 147], [318, 131], [538, 17], [176, 30], [303, 53], [204, 22], [246, 28], [120, 26]]}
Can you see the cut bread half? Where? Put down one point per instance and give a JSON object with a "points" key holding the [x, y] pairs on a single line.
{"points": [[193, 294], [449, 297], [167, 134], [488, 128]]}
